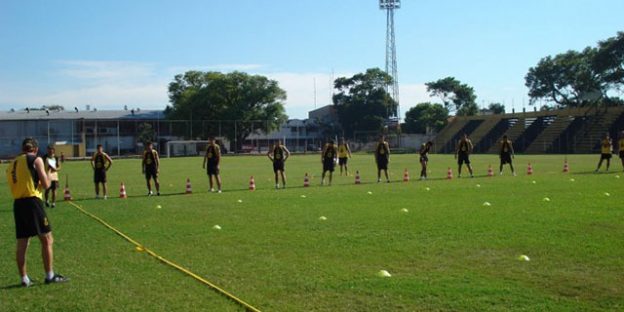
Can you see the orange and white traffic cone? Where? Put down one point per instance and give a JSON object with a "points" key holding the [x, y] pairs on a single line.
{"points": [[189, 189], [306, 180], [529, 169], [566, 168], [67, 194], [490, 171], [449, 174], [252, 184], [357, 177], [405, 175], [122, 191]]}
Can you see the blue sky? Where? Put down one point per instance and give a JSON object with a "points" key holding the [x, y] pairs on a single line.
{"points": [[113, 53]]}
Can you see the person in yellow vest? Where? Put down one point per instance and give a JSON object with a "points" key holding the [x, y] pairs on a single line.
{"points": [[344, 153], [462, 154], [213, 159], [100, 162], [606, 149], [506, 155], [26, 178], [278, 155], [621, 144], [328, 159], [150, 167], [382, 158], [52, 167]]}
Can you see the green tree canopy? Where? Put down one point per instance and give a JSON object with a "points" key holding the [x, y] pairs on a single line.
{"points": [[456, 96], [424, 117], [362, 102], [496, 108], [234, 96]]}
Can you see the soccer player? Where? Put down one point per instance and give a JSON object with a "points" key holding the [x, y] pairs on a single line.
{"points": [[506, 155], [213, 158], [52, 166], [424, 158], [606, 149], [278, 155], [621, 141], [26, 178], [344, 153], [328, 159], [382, 157], [150, 167], [462, 154], [100, 162]]}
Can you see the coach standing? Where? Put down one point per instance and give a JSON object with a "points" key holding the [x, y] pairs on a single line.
{"points": [[26, 178]]}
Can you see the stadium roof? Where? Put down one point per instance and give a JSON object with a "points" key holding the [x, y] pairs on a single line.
{"points": [[83, 114]]}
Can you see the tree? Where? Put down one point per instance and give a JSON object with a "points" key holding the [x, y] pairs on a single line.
{"points": [[609, 60], [425, 117], [496, 108], [252, 102], [456, 96], [146, 133], [362, 102]]}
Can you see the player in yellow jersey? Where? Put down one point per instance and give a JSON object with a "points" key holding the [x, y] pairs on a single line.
{"points": [[506, 155], [52, 166], [100, 162], [382, 158], [621, 150], [606, 149], [462, 154], [328, 159], [150, 166], [26, 177], [344, 153], [213, 158], [424, 158], [278, 155]]}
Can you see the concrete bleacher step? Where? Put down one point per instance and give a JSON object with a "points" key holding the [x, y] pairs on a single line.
{"points": [[512, 133], [447, 133], [545, 139], [484, 129], [587, 140]]}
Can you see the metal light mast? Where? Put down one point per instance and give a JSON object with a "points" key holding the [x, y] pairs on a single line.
{"points": [[391, 60]]}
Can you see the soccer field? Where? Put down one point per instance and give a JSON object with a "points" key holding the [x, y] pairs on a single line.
{"points": [[445, 249]]}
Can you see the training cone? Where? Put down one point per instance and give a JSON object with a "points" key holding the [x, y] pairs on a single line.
{"points": [[357, 177], [405, 175], [122, 191], [252, 184], [67, 194], [449, 173], [530, 169], [566, 168], [306, 180], [189, 189], [490, 171]]}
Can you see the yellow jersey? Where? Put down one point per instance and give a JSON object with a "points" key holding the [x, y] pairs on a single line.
{"points": [[343, 151], [22, 177], [606, 147]]}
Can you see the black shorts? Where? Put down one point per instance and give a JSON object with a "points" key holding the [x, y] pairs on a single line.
{"points": [[463, 158], [329, 165], [382, 164], [278, 165], [505, 158], [605, 156], [99, 176], [30, 218], [622, 154], [54, 185], [151, 173], [424, 158], [343, 160], [213, 169]]}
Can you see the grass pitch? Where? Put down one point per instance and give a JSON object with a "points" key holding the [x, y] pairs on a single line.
{"points": [[448, 252]]}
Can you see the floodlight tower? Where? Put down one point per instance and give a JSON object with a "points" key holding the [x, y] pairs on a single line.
{"points": [[391, 60]]}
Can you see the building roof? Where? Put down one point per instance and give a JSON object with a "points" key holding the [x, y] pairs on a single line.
{"points": [[82, 114]]}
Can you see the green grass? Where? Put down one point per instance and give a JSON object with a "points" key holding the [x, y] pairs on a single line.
{"points": [[448, 253]]}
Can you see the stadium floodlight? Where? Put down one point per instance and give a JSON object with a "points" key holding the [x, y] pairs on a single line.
{"points": [[391, 58]]}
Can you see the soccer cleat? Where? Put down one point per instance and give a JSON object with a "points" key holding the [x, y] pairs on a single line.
{"points": [[150, 193], [53, 205], [387, 181], [57, 278], [157, 193], [219, 191], [47, 203], [97, 196], [276, 186], [211, 190], [105, 197]]}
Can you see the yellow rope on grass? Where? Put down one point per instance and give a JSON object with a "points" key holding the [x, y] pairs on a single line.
{"points": [[166, 261]]}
